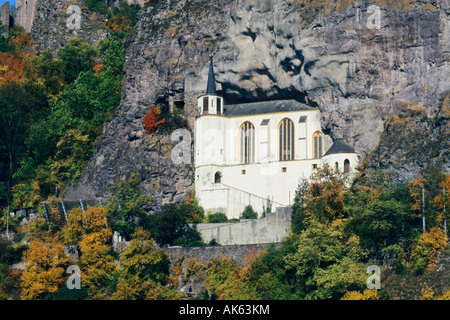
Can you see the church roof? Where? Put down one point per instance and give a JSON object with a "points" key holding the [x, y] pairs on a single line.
{"points": [[339, 146], [211, 85], [262, 107]]}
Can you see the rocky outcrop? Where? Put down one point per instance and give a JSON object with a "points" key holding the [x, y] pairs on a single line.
{"points": [[412, 143], [55, 22], [169, 41], [360, 62]]}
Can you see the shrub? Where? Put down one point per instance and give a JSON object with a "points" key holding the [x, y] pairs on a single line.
{"points": [[218, 217], [248, 213]]}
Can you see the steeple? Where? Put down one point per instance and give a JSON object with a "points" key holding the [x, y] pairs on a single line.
{"points": [[211, 86], [210, 103]]}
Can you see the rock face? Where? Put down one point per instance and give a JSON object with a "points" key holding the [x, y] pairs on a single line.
{"points": [[360, 62], [55, 22]]}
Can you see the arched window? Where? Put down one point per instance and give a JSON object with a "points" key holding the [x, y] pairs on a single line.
{"points": [[247, 143], [317, 144], [346, 166], [286, 139], [217, 177], [336, 166]]}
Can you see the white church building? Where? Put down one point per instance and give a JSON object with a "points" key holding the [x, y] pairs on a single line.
{"points": [[250, 152]]}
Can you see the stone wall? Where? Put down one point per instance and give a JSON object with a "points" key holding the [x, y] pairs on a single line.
{"points": [[5, 10], [270, 229], [25, 13], [204, 254]]}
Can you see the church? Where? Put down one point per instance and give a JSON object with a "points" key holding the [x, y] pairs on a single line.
{"points": [[249, 153]]}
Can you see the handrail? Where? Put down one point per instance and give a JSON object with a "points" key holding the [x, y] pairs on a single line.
{"points": [[255, 195]]}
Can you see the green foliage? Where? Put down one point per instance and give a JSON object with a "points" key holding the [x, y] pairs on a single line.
{"points": [[227, 282], [126, 208], [299, 216], [328, 262], [217, 217], [170, 226], [249, 213], [67, 100], [378, 222], [76, 57]]}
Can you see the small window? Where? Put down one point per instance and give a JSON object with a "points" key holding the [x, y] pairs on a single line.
{"points": [[179, 105], [336, 166], [205, 105], [283, 169], [242, 171], [265, 122], [318, 144], [219, 106], [315, 166], [346, 166], [302, 119], [218, 177]]}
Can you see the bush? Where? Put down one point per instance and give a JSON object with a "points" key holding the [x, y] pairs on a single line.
{"points": [[248, 213], [218, 217]]}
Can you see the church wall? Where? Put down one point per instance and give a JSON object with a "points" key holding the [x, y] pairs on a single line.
{"points": [[270, 229], [217, 150]]}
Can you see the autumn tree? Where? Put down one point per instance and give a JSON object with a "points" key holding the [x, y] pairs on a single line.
{"points": [[324, 196], [327, 262], [75, 228], [425, 249], [96, 263], [442, 200], [45, 265], [152, 119], [227, 281], [143, 267], [126, 208]]}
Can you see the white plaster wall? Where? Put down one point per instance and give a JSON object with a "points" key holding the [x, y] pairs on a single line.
{"points": [[271, 229], [217, 150]]}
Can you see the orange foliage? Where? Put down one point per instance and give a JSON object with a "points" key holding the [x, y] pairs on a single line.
{"points": [[11, 68], [415, 189], [427, 247], [21, 42], [98, 67], [150, 120], [120, 22], [46, 263], [366, 295]]}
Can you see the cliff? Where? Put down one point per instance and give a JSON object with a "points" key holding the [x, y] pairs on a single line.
{"points": [[360, 66]]}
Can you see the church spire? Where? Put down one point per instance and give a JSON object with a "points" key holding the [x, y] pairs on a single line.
{"points": [[211, 87]]}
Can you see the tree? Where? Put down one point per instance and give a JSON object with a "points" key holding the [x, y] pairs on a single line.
{"points": [[169, 225], [72, 154], [324, 196], [152, 119], [14, 110], [75, 228], [46, 70], [217, 217], [76, 56], [299, 215], [96, 262], [144, 259], [142, 266], [125, 209], [46, 263], [226, 281], [378, 222], [425, 249], [248, 213], [326, 262]]}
